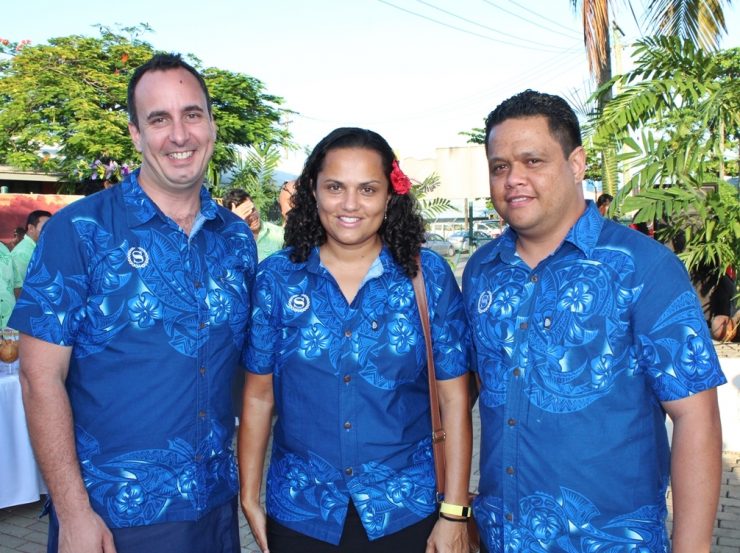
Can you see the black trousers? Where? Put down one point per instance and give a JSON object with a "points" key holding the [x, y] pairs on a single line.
{"points": [[216, 532], [412, 539]]}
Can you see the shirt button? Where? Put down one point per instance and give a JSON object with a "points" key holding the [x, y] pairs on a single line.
{"points": [[534, 278], [516, 372], [523, 326], [511, 422], [347, 425], [509, 470], [348, 471], [198, 458], [202, 326], [348, 333], [197, 284], [201, 414], [202, 370], [509, 517], [347, 378]]}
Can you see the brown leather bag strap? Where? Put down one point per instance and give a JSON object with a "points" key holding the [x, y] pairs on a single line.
{"points": [[438, 433]]}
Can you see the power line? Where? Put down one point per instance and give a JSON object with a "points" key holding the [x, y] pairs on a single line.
{"points": [[429, 4], [552, 49], [528, 9], [570, 34], [556, 64]]}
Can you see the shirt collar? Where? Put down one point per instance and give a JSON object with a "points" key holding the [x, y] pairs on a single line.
{"points": [[584, 235], [384, 262], [140, 208]]}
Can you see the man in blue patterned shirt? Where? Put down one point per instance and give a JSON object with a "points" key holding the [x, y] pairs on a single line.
{"points": [[581, 351], [134, 313]]}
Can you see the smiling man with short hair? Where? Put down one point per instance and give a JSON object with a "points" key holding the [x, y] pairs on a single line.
{"points": [[133, 317], [581, 351]]}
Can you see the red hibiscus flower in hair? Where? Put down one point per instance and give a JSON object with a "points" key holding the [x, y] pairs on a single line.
{"points": [[400, 182]]}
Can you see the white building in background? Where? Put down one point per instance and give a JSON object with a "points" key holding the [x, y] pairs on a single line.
{"points": [[463, 171], [463, 174]]}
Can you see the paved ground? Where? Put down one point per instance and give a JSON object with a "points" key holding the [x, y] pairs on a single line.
{"points": [[22, 531]]}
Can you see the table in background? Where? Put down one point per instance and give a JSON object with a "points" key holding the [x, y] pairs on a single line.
{"points": [[20, 480]]}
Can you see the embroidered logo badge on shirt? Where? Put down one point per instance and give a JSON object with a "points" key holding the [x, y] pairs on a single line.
{"points": [[484, 301], [299, 303], [138, 257]]}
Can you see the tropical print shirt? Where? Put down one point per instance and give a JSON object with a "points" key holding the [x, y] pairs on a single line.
{"points": [[269, 240], [575, 357], [157, 321], [21, 255], [351, 392], [7, 297]]}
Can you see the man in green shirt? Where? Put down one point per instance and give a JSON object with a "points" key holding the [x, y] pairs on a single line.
{"points": [[7, 297], [269, 236], [21, 253]]}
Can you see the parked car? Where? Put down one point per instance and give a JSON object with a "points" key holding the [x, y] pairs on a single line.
{"points": [[460, 239], [437, 243]]}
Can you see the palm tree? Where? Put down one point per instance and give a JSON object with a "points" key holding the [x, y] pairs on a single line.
{"points": [[684, 103], [701, 21]]}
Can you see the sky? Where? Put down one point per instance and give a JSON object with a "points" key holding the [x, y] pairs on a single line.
{"points": [[418, 72]]}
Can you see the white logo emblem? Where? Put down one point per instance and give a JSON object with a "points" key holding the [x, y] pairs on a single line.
{"points": [[299, 303], [138, 257], [484, 301]]}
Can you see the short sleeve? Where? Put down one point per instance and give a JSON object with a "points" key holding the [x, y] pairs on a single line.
{"points": [[449, 325], [673, 344], [259, 355], [54, 293]]}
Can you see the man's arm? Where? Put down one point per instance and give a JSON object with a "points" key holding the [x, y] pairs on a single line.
{"points": [[255, 425], [696, 469], [44, 368]]}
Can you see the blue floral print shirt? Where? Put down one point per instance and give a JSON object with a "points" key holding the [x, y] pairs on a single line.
{"points": [[156, 321], [351, 392], [575, 357]]}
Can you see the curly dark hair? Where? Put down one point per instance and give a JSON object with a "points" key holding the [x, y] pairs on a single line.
{"points": [[402, 231], [561, 119]]}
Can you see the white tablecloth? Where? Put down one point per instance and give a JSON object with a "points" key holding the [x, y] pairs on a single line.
{"points": [[20, 480]]}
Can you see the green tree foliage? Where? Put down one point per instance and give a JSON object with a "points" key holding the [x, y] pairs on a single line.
{"points": [[476, 135], [430, 208], [63, 104], [254, 173], [676, 119]]}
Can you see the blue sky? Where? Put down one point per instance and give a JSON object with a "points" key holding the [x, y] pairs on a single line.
{"points": [[416, 71]]}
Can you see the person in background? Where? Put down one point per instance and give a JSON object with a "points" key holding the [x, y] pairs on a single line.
{"points": [[603, 202], [269, 237], [7, 295], [23, 250], [18, 234], [284, 198], [337, 352], [718, 301], [132, 318], [582, 348]]}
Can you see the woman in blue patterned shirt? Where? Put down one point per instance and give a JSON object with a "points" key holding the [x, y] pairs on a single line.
{"points": [[337, 354]]}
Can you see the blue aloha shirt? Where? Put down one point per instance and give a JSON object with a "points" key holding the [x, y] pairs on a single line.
{"points": [[157, 321], [575, 357], [351, 392]]}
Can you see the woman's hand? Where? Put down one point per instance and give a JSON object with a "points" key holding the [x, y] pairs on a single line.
{"points": [[448, 537], [257, 520]]}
